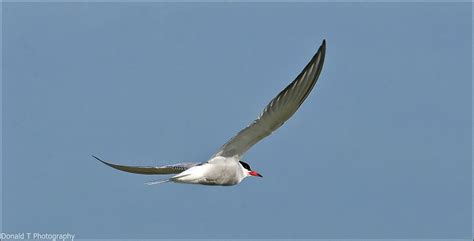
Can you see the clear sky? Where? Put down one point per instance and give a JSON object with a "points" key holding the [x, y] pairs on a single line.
{"points": [[381, 147]]}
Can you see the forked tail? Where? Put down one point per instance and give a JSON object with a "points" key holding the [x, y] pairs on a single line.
{"points": [[172, 179], [158, 182]]}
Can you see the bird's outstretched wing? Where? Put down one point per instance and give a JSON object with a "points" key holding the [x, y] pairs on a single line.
{"points": [[279, 110], [150, 170]]}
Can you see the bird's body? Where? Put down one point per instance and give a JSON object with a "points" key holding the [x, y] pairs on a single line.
{"points": [[225, 168], [217, 172]]}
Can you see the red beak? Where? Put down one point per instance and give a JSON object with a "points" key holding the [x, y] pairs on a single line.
{"points": [[255, 174]]}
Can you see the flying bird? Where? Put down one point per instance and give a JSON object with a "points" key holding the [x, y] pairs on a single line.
{"points": [[226, 168]]}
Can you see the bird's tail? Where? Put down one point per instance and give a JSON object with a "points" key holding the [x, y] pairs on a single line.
{"points": [[172, 179], [158, 182]]}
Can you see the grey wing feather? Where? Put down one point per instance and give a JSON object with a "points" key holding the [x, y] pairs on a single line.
{"points": [[151, 170], [279, 110]]}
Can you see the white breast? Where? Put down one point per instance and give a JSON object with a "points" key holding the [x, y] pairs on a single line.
{"points": [[218, 171]]}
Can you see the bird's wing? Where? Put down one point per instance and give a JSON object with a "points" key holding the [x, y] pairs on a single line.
{"points": [[279, 110], [150, 170]]}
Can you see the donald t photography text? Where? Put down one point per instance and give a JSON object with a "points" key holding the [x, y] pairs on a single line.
{"points": [[38, 236]]}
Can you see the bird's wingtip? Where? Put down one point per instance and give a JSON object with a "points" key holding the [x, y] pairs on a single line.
{"points": [[98, 159]]}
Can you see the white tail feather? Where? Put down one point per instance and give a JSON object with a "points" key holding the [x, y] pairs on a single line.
{"points": [[158, 182]]}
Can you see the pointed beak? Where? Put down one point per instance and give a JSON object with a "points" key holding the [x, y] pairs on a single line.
{"points": [[255, 174]]}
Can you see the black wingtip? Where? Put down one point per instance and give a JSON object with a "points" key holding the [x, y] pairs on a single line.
{"points": [[100, 160], [107, 164]]}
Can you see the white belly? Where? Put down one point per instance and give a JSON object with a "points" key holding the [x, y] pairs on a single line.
{"points": [[225, 174]]}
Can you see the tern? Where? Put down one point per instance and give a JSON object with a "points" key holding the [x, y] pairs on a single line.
{"points": [[225, 167]]}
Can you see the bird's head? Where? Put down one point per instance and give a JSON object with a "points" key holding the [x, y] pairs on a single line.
{"points": [[248, 171]]}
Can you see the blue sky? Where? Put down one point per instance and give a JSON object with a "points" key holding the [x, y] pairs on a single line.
{"points": [[380, 149]]}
